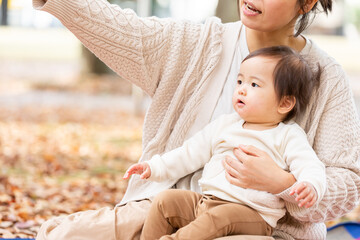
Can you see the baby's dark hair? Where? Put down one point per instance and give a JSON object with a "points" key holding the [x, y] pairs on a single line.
{"points": [[292, 76]]}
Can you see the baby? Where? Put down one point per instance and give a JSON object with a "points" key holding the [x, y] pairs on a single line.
{"points": [[273, 86]]}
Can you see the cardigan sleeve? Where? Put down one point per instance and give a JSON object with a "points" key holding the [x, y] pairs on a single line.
{"points": [[140, 50], [337, 144]]}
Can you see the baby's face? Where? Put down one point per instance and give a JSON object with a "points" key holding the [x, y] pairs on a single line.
{"points": [[254, 98]]}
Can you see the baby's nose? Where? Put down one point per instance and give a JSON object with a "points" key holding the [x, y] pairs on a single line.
{"points": [[242, 91]]}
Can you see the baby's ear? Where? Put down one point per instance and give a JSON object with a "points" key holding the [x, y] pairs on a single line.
{"points": [[287, 103]]}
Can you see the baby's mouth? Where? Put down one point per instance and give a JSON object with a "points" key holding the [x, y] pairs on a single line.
{"points": [[241, 102], [252, 8]]}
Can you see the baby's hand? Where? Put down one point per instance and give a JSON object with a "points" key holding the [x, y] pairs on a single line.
{"points": [[143, 169], [306, 194]]}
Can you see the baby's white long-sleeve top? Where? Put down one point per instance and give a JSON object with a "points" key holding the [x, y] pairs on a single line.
{"points": [[286, 144]]}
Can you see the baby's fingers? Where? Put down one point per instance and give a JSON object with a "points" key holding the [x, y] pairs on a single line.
{"points": [[146, 174], [302, 195], [311, 203], [307, 197], [298, 188], [304, 200], [134, 169], [308, 200]]}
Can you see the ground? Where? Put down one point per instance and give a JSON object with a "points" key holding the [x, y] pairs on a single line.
{"points": [[57, 159]]}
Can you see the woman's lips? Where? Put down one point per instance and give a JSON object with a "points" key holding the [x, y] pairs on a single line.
{"points": [[250, 10]]}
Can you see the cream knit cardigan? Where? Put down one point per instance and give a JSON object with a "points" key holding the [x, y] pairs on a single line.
{"points": [[175, 62]]}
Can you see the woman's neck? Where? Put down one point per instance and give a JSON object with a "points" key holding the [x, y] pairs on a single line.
{"points": [[257, 40]]}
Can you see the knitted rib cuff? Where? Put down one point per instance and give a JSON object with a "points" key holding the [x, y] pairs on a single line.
{"points": [[62, 11], [285, 195]]}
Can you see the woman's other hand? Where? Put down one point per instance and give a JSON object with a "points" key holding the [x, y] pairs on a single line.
{"points": [[255, 169], [143, 169]]}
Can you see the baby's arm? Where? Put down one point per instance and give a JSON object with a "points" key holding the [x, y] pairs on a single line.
{"points": [[306, 168], [143, 169], [306, 194]]}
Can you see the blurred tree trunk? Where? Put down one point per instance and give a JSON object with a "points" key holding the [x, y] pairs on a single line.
{"points": [[227, 11], [4, 10], [91, 64]]}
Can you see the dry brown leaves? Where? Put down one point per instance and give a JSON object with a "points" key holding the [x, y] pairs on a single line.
{"points": [[59, 161]]}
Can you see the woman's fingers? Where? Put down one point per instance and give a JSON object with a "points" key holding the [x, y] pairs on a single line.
{"points": [[255, 169], [240, 155], [232, 180], [251, 150], [234, 172], [232, 166]]}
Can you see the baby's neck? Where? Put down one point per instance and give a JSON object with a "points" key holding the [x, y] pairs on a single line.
{"points": [[259, 126]]}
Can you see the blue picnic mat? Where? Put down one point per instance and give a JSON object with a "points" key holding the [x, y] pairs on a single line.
{"points": [[341, 231], [344, 231]]}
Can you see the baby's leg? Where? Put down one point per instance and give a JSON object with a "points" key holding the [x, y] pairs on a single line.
{"points": [[221, 218], [170, 210]]}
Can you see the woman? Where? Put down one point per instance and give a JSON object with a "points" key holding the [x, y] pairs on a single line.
{"points": [[189, 70]]}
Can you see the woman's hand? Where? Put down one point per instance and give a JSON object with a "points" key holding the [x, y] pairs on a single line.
{"points": [[143, 169], [255, 169]]}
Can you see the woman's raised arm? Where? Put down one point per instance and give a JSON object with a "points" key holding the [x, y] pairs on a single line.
{"points": [[137, 49]]}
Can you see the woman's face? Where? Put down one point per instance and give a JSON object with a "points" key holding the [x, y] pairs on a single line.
{"points": [[269, 15]]}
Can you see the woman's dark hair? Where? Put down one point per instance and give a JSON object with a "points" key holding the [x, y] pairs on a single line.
{"points": [[303, 20], [292, 76]]}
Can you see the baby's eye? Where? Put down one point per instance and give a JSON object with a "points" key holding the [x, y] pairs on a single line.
{"points": [[239, 82], [254, 85]]}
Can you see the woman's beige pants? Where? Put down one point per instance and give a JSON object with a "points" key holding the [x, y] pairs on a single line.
{"points": [[120, 223]]}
